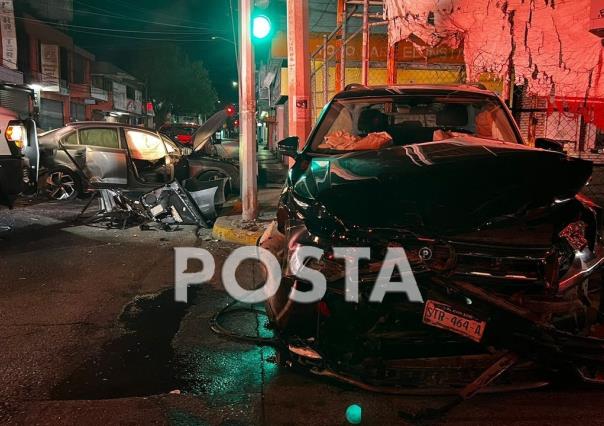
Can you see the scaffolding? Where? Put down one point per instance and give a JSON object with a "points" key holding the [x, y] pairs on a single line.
{"points": [[358, 51]]}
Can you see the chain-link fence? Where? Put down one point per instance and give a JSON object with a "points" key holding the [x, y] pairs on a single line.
{"points": [[359, 38], [540, 117], [406, 73]]}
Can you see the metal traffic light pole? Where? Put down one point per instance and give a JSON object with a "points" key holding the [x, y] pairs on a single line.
{"points": [[247, 114]]}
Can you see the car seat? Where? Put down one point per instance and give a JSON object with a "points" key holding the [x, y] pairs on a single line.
{"points": [[453, 115], [372, 121], [410, 132]]}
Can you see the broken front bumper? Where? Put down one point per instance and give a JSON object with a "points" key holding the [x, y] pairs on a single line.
{"points": [[377, 346]]}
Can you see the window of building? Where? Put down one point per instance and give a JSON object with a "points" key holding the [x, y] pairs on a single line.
{"points": [[79, 69], [102, 137], [130, 92], [64, 68], [78, 112], [97, 81], [51, 114]]}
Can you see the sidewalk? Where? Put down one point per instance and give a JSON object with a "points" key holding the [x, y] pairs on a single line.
{"points": [[271, 176], [232, 229]]}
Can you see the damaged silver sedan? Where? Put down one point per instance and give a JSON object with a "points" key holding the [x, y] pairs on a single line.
{"points": [[138, 175]]}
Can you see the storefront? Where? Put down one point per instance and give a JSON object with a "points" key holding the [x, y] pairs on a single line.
{"points": [[51, 114], [78, 111], [16, 98]]}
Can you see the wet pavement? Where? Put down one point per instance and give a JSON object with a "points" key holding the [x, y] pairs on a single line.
{"points": [[90, 334]]}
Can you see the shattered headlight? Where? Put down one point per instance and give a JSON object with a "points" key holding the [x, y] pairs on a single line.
{"points": [[575, 235], [573, 241]]}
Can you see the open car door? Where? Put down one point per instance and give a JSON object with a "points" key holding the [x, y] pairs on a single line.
{"points": [[24, 133], [151, 163]]}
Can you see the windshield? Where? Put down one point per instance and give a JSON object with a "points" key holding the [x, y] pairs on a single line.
{"points": [[369, 124]]}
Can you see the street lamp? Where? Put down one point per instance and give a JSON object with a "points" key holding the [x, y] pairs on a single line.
{"points": [[223, 39], [235, 84]]}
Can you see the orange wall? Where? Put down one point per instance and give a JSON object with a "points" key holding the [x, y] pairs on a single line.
{"points": [[378, 46]]}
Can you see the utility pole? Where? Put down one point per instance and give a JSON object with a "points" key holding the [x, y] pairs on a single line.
{"points": [[365, 51], [298, 64], [341, 55], [247, 114]]}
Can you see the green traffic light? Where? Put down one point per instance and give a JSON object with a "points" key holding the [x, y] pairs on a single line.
{"points": [[261, 27]]}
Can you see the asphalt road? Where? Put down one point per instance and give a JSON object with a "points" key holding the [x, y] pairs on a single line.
{"points": [[90, 334]]}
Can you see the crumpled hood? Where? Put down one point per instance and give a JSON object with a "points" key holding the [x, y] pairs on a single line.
{"points": [[440, 187], [204, 133]]}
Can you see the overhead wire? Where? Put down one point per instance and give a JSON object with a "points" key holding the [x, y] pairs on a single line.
{"points": [[146, 11], [112, 29], [132, 19], [128, 37]]}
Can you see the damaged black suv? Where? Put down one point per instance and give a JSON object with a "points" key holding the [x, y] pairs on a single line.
{"points": [[499, 240]]}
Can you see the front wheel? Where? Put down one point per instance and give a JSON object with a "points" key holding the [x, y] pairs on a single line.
{"points": [[61, 185]]}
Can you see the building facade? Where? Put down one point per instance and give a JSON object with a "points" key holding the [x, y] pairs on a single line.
{"points": [[14, 94], [44, 74], [121, 96]]}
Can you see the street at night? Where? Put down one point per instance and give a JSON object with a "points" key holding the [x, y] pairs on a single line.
{"points": [[290, 212], [92, 336]]}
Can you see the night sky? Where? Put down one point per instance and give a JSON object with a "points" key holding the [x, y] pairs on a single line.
{"points": [[116, 29]]}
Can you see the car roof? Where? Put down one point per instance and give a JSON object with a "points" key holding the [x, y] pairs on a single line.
{"points": [[359, 91], [105, 124]]}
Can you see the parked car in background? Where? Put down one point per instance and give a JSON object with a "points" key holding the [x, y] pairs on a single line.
{"points": [[18, 157], [122, 156], [180, 132]]}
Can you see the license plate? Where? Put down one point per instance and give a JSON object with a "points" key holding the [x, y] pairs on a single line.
{"points": [[443, 316]]}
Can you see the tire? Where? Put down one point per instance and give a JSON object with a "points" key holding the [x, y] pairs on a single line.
{"points": [[62, 185]]}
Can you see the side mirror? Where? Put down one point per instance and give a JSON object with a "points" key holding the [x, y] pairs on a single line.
{"points": [[289, 146], [549, 144]]}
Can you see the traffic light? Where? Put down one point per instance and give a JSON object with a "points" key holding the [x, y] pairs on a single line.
{"points": [[261, 27], [230, 110]]}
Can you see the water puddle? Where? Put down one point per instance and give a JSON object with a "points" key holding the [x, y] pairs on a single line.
{"points": [[139, 363]]}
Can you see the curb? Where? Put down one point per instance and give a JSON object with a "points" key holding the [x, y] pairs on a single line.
{"points": [[232, 230]]}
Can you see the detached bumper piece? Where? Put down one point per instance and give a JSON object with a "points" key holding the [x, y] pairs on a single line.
{"points": [[169, 205], [173, 205]]}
